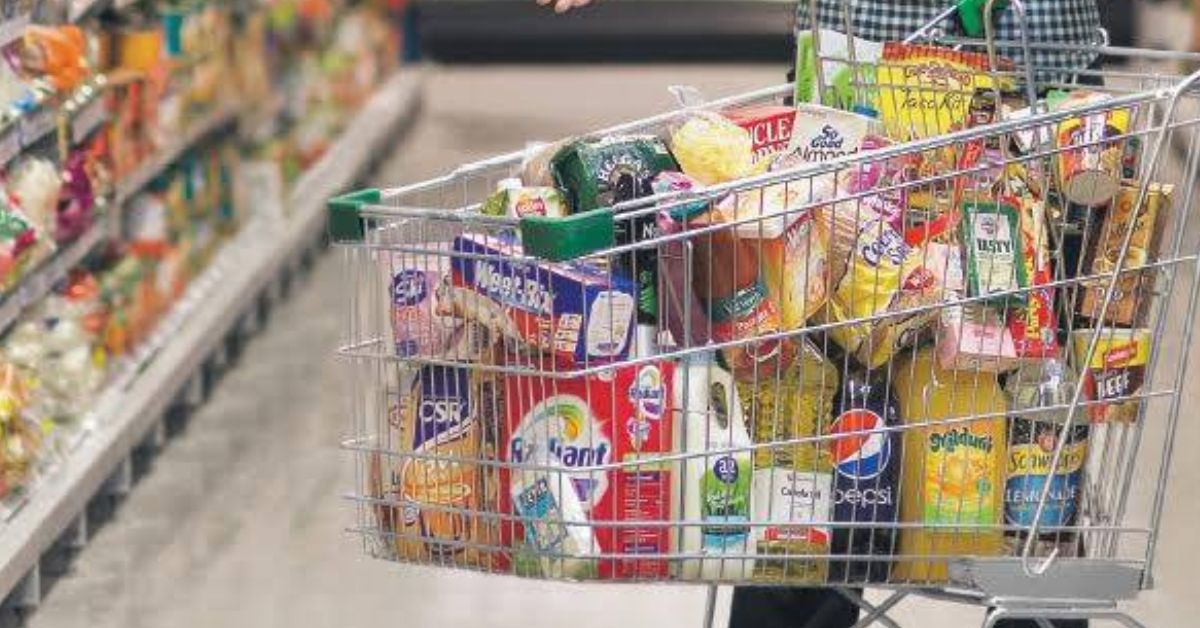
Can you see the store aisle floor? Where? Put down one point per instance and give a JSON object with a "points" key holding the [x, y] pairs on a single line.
{"points": [[241, 522]]}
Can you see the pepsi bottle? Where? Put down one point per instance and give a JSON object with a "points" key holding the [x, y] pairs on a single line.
{"points": [[866, 479]]}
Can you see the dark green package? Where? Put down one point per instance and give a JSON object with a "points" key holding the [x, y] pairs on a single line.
{"points": [[599, 173]]}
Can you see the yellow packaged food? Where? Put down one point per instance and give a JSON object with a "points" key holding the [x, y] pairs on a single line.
{"points": [[925, 91], [882, 274], [1116, 374], [712, 149]]}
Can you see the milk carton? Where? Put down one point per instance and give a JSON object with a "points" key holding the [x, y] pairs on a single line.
{"points": [[576, 312], [573, 428]]}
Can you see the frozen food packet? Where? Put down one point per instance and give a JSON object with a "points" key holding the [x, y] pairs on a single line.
{"points": [[1117, 370], [416, 287], [925, 91], [883, 274], [846, 85]]}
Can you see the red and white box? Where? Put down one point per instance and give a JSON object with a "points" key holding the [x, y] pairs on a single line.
{"points": [[770, 127], [618, 416]]}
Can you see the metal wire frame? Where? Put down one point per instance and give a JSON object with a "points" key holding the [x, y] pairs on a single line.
{"points": [[411, 220]]}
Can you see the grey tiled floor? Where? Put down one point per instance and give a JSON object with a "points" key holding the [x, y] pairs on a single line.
{"points": [[240, 524]]}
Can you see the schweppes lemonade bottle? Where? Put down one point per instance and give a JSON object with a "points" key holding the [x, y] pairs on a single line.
{"points": [[792, 487], [953, 473]]}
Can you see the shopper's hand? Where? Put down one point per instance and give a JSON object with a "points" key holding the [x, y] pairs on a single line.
{"points": [[562, 6]]}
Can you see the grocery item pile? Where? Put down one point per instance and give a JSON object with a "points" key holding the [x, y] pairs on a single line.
{"points": [[817, 344]]}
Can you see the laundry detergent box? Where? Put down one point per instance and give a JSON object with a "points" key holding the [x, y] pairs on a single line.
{"points": [[576, 312], [570, 508]]}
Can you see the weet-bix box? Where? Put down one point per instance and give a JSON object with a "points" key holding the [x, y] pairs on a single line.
{"points": [[574, 311], [559, 435]]}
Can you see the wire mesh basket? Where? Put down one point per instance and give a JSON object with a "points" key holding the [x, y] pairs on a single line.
{"points": [[938, 359]]}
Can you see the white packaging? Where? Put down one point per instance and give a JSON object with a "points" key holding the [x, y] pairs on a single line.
{"points": [[714, 488]]}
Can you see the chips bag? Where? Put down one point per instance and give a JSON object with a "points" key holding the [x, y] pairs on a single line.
{"points": [[883, 274]]}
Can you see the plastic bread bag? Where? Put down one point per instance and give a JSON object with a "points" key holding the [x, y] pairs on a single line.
{"points": [[709, 147]]}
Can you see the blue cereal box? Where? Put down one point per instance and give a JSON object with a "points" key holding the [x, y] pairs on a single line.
{"points": [[574, 311]]}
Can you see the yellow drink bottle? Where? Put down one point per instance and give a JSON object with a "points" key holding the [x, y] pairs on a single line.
{"points": [[792, 485], [953, 473]]}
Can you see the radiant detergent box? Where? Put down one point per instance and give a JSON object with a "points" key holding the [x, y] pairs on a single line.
{"points": [[556, 434]]}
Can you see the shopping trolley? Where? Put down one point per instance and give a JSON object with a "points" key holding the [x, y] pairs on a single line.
{"points": [[960, 379]]}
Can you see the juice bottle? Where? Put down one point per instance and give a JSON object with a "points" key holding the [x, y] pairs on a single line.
{"points": [[953, 473], [792, 488]]}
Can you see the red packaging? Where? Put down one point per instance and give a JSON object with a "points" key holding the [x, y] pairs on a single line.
{"points": [[1034, 328], [770, 127], [619, 416]]}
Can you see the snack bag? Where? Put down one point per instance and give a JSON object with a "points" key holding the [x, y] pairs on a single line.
{"points": [[925, 91], [517, 201], [1133, 295], [884, 176], [712, 149], [1116, 370], [417, 289], [883, 274]]}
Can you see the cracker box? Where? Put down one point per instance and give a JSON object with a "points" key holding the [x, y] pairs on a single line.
{"points": [[575, 312]]}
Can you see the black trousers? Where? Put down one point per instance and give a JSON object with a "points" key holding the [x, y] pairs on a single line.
{"points": [[794, 607]]}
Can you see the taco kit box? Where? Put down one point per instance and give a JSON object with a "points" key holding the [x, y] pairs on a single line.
{"points": [[616, 416]]}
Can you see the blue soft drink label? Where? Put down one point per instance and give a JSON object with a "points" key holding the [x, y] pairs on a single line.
{"points": [[1030, 467]]}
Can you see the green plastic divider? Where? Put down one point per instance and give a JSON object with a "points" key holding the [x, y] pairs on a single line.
{"points": [[572, 237], [345, 220]]}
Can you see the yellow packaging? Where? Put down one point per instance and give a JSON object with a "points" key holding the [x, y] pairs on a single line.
{"points": [[883, 275], [925, 91], [792, 486], [1117, 370], [1132, 295], [953, 473], [712, 149]]}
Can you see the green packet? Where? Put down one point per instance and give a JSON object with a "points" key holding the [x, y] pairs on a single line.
{"points": [[521, 202], [844, 90], [995, 251]]}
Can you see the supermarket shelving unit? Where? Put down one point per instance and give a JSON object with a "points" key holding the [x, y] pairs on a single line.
{"points": [[176, 365]]}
